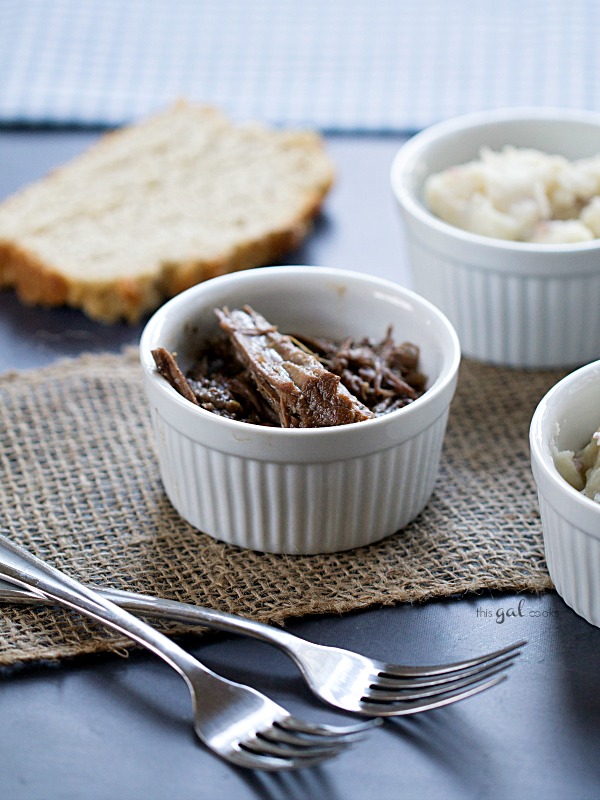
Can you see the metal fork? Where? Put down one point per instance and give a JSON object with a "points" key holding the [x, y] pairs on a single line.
{"points": [[235, 721], [342, 678]]}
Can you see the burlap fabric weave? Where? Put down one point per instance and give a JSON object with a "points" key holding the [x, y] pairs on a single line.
{"points": [[80, 487]]}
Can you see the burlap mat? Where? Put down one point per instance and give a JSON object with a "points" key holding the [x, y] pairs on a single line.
{"points": [[80, 488]]}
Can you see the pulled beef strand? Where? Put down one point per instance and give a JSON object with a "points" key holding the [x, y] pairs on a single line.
{"points": [[168, 368], [385, 376], [255, 374], [293, 382]]}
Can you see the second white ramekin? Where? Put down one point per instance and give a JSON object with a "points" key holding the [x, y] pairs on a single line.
{"points": [[512, 303]]}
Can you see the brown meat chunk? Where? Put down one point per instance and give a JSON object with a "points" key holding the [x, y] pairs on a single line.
{"points": [[294, 383], [167, 367]]}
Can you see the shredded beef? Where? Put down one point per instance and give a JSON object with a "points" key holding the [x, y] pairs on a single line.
{"points": [[385, 376], [167, 366], [256, 374]]}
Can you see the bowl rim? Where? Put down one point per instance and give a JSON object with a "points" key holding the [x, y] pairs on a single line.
{"points": [[450, 355], [410, 151], [539, 442]]}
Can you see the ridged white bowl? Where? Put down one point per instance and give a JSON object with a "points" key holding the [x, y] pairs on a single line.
{"points": [[301, 490], [567, 416], [512, 303]]}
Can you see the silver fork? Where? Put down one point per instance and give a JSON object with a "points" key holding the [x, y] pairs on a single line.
{"points": [[342, 678], [235, 721]]}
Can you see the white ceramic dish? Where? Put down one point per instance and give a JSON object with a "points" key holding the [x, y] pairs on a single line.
{"points": [[301, 490], [570, 520], [512, 303]]}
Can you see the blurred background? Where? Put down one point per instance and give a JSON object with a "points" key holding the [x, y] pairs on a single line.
{"points": [[356, 66]]}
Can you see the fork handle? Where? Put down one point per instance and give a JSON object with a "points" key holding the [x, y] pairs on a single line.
{"points": [[21, 567], [201, 615], [175, 611]]}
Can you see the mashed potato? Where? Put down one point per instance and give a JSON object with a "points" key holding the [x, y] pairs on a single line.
{"points": [[582, 468], [520, 195]]}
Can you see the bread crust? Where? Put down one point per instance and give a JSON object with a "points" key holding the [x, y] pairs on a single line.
{"points": [[42, 282], [128, 299]]}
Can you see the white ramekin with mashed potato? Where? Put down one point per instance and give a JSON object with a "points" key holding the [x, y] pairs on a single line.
{"points": [[562, 424], [524, 290]]}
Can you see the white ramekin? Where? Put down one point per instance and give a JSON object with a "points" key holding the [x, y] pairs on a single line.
{"points": [[301, 490], [566, 418], [512, 303]]}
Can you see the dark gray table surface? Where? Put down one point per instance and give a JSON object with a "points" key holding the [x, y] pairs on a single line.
{"points": [[107, 728]]}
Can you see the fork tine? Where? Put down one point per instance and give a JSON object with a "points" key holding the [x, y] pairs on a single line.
{"points": [[349, 732], [399, 671], [291, 737], [256, 760], [406, 695], [398, 709], [261, 743], [440, 679], [278, 734]]}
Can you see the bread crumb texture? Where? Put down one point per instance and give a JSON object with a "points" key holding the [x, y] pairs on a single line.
{"points": [[159, 206]]}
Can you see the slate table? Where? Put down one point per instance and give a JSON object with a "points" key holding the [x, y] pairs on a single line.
{"points": [[106, 727]]}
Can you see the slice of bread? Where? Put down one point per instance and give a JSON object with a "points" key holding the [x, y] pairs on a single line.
{"points": [[158, 206]]}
